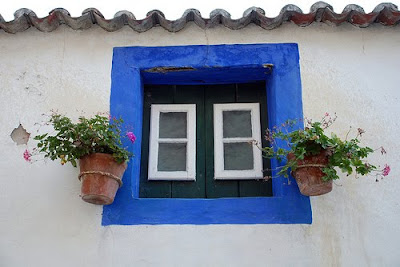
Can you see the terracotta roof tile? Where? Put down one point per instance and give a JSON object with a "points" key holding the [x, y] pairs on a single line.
{"points": [[385, 13]]}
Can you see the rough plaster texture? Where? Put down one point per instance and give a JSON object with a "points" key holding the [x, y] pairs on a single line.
{"points": [[43, 222]]}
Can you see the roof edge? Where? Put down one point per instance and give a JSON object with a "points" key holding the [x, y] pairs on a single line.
{"points": [[386, 14]]}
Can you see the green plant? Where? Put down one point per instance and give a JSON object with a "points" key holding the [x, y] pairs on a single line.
{"points": [[346, 155], [71, 141]]}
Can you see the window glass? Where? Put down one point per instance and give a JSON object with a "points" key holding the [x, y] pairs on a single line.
{"points": [[173, 125], [238, 156], [171, 157], [236, 123]]}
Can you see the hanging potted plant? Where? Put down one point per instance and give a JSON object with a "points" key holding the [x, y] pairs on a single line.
{"points": [[313, 157], [94, 142]]}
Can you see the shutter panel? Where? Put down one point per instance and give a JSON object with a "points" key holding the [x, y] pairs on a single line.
{"points": [[204, 96]]}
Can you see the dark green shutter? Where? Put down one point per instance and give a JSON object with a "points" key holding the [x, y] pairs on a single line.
{"points": [[204, 96]]}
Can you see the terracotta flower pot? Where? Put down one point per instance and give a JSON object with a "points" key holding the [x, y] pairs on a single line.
{"points": [[101, 177], [308, 174]]}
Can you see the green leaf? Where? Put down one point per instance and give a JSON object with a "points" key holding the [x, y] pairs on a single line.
{"points": [[73, 162], [72, 141]]}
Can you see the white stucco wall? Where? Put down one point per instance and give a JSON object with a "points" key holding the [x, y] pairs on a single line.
{"points": [[354, 72]]}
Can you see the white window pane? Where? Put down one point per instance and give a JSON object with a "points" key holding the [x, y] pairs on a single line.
{"points": [[172, 150], [235, 126], [171, 157], [238, 156], [237, 123], [173, 125]]}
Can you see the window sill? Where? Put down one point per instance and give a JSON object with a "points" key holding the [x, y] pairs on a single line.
{"points": [[249, 210]]}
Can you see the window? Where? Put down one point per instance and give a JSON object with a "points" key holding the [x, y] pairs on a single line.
{"points": [[210, 157], [172, 142], [236, 127], [134, 67]]}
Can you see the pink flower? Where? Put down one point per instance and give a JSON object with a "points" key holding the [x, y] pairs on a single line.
{"points": [[386, 170], [326, 114], [131, 136], [27, 155]]}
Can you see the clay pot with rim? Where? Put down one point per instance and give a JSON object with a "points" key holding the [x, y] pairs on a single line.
{"points": [[308, 174], [101, 177]]}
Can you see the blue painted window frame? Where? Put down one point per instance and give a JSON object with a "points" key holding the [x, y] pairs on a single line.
{"points": [[133, 67]]}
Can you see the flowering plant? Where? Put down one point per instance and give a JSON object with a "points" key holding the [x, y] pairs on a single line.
{"points": [[72, 141], [347, 155]]}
